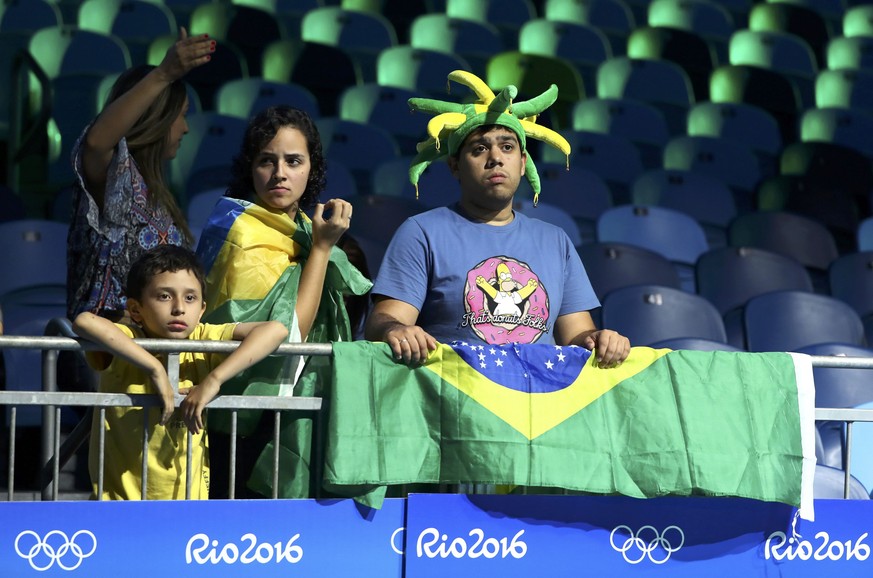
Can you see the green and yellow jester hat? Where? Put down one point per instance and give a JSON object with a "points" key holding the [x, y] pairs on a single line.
{"points": [[454, 122]]}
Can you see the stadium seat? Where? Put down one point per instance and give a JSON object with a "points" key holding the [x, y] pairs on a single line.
{"points": [[826, 203], [864, 236], [729, 276], [829, 484], [340, 182], [436, 186], [833, 166], [508, 16], [694, 344], [692, 52], [579, 191], [861, 458], [647, 314], [746, 123], [361, 34], [851, 280], [377, 217], [840, 388], [358, 146], [843, 126], [672, 234], [200, 206], [29, 15], [582, 45], [661, 83], [703, 197], [844, 88], [641, 123], [36, 250], [550, 213], [249, 28], [12, 205], [858, 20], [805, 240], [850, 52], [779, 52], [712, 20], [790, 320], [386, 107], [792, 18], [475, 41], [615, 159], [761, 87], [613, 17], [204, 161], [245, 97], [136, 22], [533, 74], [422, 71], [727, 160], [612, 266]]}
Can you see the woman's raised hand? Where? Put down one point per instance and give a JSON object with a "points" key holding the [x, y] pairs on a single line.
{"points": [[327, 231], [187, 53]]}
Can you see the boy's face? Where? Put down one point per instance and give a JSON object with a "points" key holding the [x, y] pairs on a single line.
{"points": [[171, 305], [489, 167]]}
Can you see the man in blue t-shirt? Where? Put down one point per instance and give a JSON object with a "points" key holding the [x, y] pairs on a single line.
{"points": [[480, 272]]}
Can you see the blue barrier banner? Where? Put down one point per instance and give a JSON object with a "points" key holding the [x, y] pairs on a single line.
{"points": [[301, 538], [557, 536]]}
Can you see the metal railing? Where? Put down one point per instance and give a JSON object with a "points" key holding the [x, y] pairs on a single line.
{"points": [[51, 400], [53, 455]]}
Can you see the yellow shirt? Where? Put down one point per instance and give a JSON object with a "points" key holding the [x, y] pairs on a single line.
{"points": [[167, 445]]}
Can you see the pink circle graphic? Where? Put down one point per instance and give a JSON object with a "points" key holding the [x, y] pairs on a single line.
{"points": [[514, 311]]}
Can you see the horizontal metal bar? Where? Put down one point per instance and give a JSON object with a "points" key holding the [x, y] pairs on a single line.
{"points": [[150, 400], [156, 345], [843, 414]]}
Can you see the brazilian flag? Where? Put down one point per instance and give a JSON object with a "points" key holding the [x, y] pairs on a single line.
{"points": [[663, 423], [253, 258]]}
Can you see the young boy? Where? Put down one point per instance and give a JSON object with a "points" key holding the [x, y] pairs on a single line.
{"points": [[165, 290]]}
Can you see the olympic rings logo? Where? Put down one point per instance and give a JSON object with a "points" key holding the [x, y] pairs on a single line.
{"points": [[55, 547], [646, 541]]}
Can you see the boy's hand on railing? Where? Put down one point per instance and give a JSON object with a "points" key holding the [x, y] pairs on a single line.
{"points": [[162, 384], [196, 399]]}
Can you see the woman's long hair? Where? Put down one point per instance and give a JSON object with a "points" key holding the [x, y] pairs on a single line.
{"points": [[261, 130], [147, 140]]}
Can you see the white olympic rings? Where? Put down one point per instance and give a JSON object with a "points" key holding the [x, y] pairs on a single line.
{"points": [[646, 540], [60, 551]]}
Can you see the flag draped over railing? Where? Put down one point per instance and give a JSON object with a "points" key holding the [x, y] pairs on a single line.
{"points": [[540, 416]]}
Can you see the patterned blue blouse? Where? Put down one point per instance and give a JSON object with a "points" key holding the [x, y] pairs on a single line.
{"points": [[104, 241]]}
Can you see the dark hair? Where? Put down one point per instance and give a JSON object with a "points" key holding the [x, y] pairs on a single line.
{"points": [[147, 139], [161, 259], [261, 130]]}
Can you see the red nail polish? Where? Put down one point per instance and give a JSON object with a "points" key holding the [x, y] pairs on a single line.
{"points": [[208, 57]]}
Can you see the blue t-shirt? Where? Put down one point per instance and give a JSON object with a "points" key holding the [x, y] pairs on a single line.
{"points": [[483, 283]]}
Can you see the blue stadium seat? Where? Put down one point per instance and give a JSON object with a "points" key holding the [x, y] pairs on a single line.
{"points": [[711, 20], [386, 107], [647, 314], [423, 71], [851, 280], [637, 121], [475, 41], [615, 265], [841, 388], [844, 88], [358, 146], [790, 320], [694, 344], [728, 160], [748, 124], [583, 45], [805, 22], [245, 97], [437, 186], [204, 161], [550, 213], [705, 198], [851, 52], [661, 83], [613, 17], [508, 16], [848, 127], [829, 484], [361, 34], [136, 22], [579, 191], [377, 217], [670, 233], [695, 54]]}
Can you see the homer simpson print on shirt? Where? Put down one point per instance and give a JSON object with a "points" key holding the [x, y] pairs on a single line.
{"points": [[505, 302]]}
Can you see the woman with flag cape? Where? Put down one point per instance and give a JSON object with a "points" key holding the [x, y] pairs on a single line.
{"points": [[267, 260]]}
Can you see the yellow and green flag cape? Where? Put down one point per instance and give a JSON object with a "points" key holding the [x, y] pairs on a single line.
{"points": [[253, 258], [663, 423]]}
